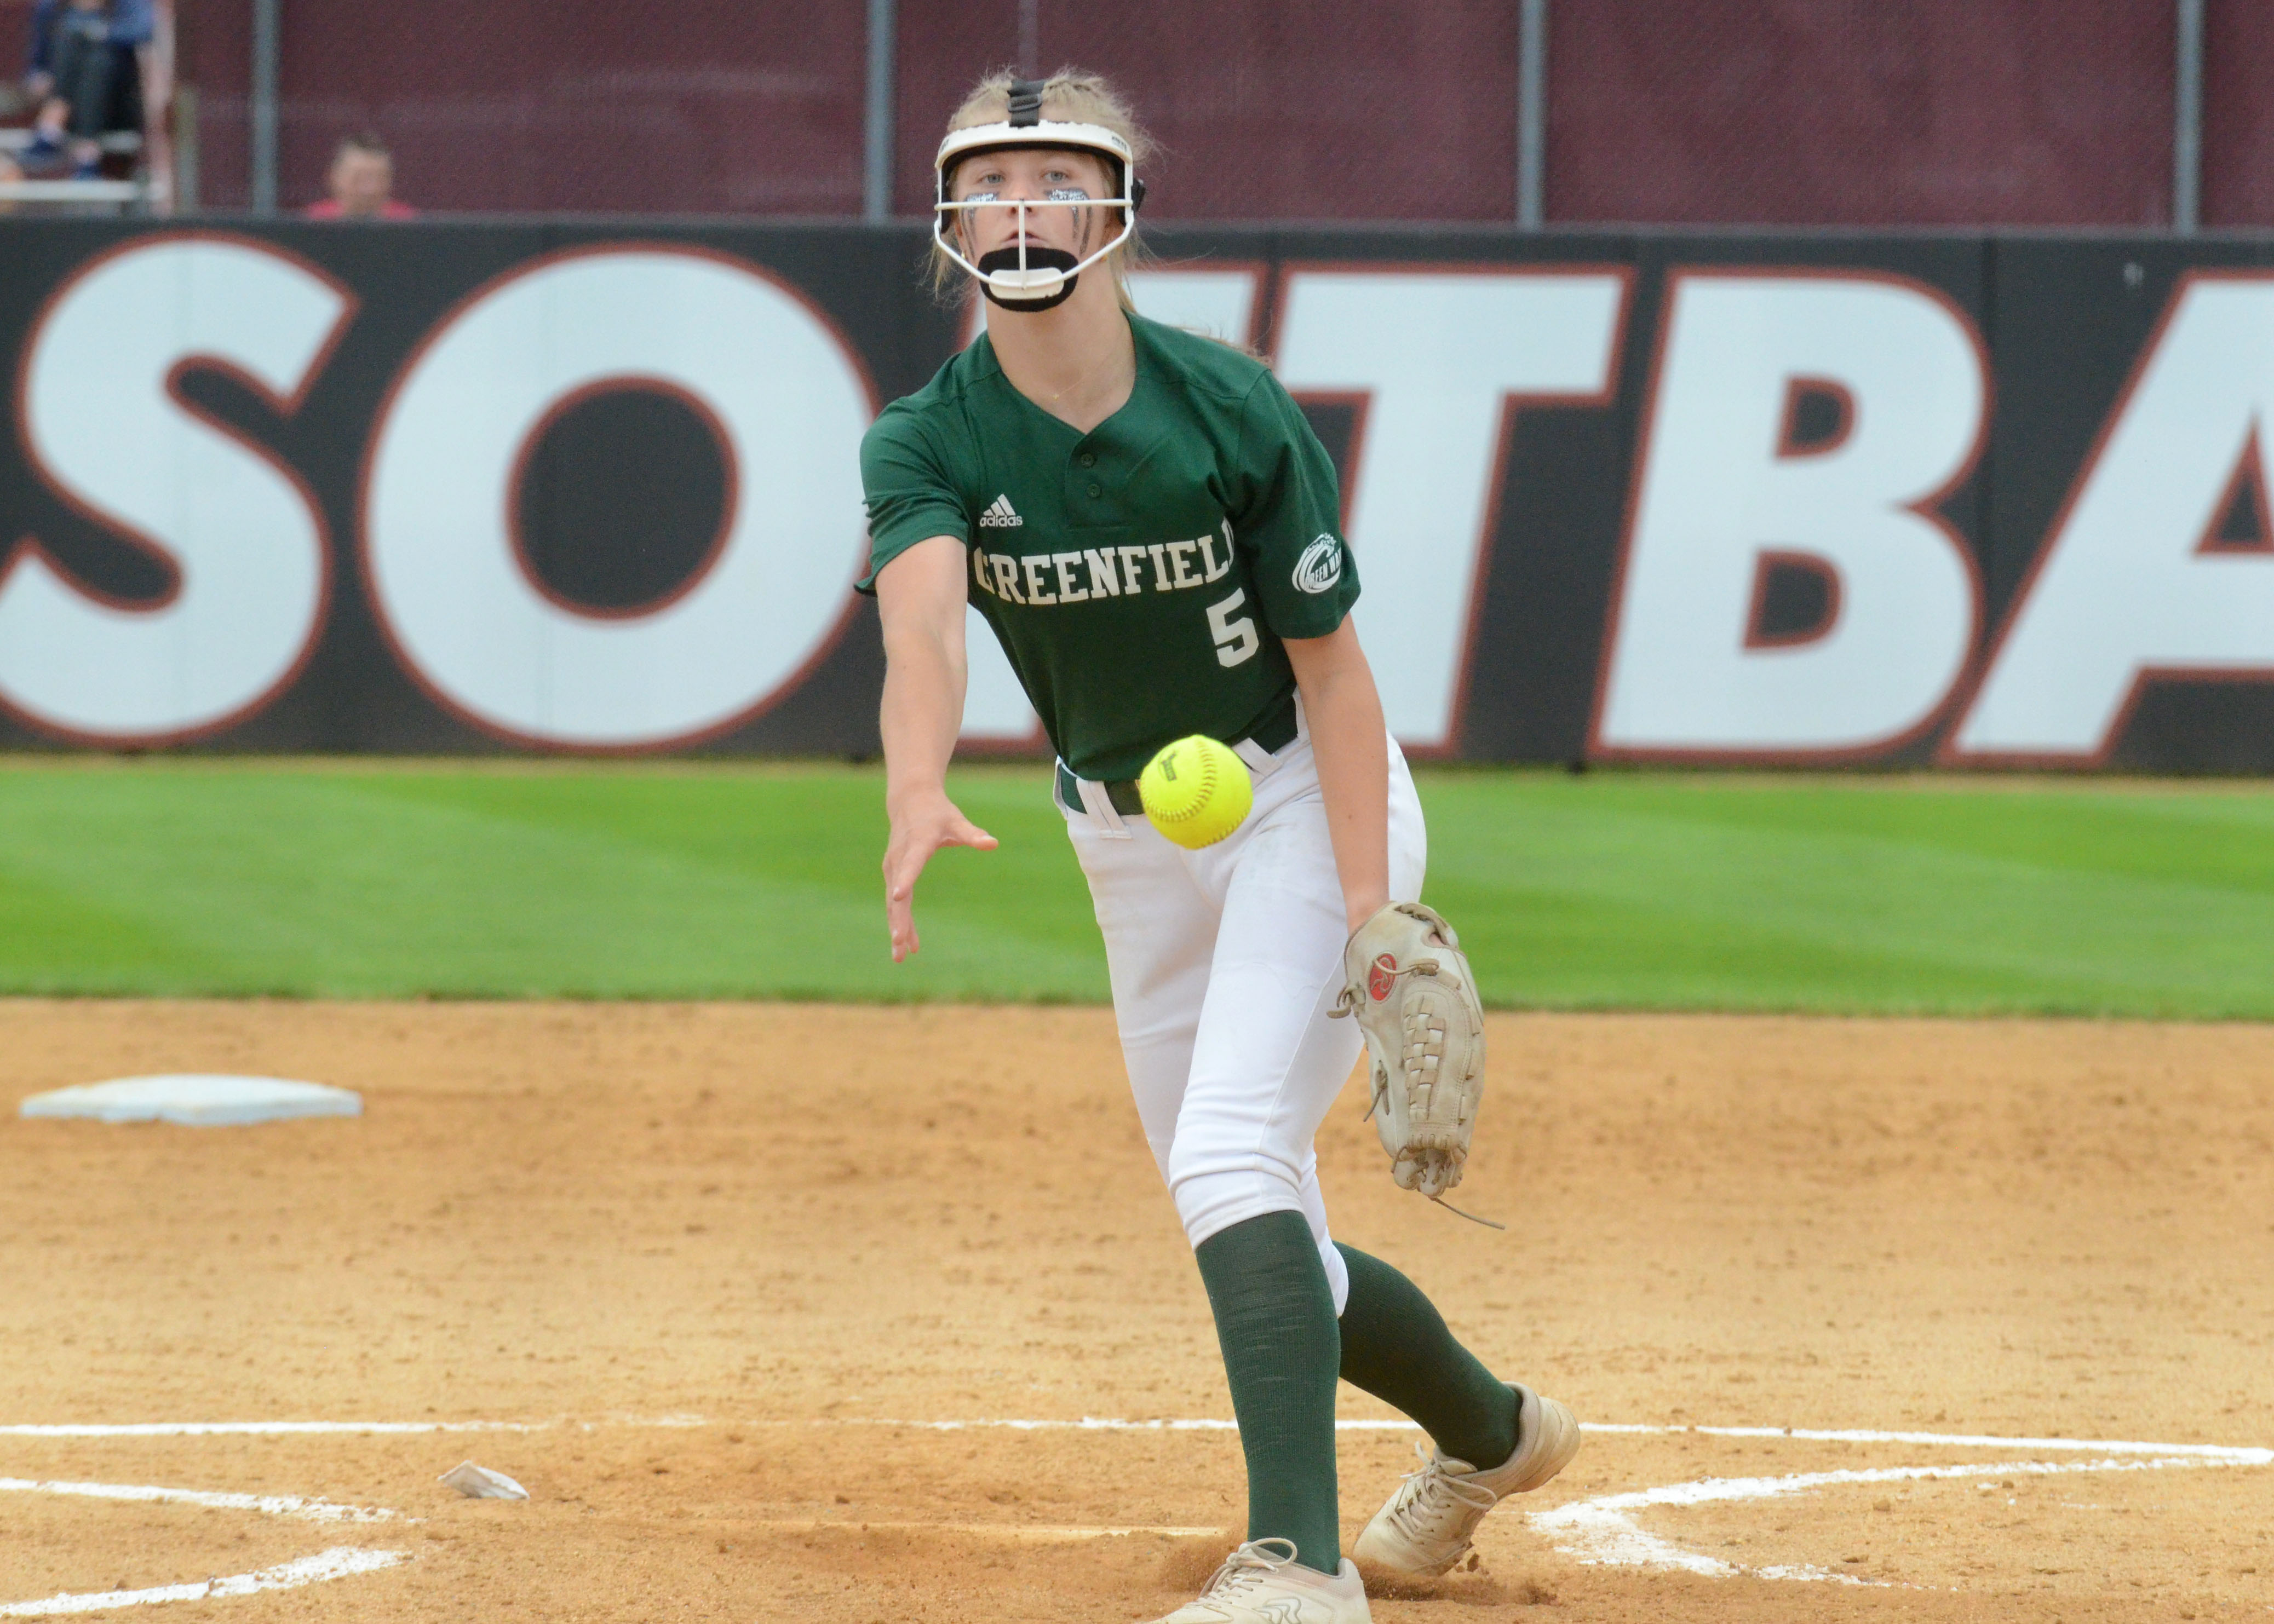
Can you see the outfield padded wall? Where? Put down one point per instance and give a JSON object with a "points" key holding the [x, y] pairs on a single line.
{"points": [[479, 486]]}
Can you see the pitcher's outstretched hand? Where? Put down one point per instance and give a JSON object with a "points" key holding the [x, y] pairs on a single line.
{"points": [[916, 835]]}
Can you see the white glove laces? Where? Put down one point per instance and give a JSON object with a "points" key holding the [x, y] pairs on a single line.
{"points": [[1472, 1217]]}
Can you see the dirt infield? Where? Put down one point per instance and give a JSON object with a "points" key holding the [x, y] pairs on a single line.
{"points": [[708, 1259]]}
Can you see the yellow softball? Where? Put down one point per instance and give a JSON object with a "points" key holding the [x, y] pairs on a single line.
{"points": [[1196, 791]]}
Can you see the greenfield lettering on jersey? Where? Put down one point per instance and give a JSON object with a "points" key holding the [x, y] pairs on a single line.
{"points": [[1141, 577]]}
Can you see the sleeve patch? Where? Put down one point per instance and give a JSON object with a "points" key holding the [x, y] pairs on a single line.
{"points": [[1319, 568]]}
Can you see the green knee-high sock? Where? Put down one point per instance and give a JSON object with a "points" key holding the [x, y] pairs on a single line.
{"points": [[1274, 1318], [1395, 1346]]}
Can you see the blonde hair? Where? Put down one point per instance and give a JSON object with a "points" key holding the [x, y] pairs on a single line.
{"points": [[1069, 96]]}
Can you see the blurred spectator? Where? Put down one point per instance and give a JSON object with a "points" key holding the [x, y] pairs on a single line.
{"points": [[362, 184], [84, 76]]}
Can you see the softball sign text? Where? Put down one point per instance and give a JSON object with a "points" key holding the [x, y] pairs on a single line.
{"points": [[1609, 502]]}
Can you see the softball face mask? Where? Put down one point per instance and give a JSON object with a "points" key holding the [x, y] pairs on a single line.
{"points": [[1026, 276]]}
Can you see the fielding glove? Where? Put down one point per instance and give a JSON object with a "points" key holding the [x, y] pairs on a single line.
{"points": [[1407, 982]]}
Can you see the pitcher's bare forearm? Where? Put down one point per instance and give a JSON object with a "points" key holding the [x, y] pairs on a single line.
{"points": [[1349, 742], [920, 599]]}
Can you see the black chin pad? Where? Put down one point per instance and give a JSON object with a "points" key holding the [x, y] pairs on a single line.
{"points": [[1042, 259]]}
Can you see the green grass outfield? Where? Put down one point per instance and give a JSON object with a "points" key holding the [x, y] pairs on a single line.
{"points": [[1636, 890]]}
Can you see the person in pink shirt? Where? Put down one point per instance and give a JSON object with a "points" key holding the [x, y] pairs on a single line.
{"points": [[361, 183]]}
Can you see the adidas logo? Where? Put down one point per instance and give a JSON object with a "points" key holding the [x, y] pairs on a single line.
{"points": [[1000, 515]]}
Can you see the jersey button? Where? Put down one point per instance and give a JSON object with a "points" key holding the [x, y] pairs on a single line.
{"points": [[1096, 489], [1089, 459]]}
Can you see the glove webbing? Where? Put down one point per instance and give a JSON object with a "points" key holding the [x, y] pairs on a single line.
{"points": [[1346, 1003]]}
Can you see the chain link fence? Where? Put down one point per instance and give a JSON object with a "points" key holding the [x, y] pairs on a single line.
{"points": [[1795, 112]]}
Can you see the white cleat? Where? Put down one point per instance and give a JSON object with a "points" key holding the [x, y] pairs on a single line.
{"points": [[1427, 1525], [1257, 1585]]}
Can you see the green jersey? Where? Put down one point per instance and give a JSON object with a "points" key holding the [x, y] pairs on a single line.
{"points": [[1140, 576]]}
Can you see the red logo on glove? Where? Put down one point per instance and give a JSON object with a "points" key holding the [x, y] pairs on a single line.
{"points": [[1381, 978]]}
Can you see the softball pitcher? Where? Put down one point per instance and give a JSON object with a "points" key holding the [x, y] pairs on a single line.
{"points": [[1150, 528]]}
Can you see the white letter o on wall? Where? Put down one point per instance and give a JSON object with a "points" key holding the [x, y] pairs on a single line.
{"points": [[447, 579]]}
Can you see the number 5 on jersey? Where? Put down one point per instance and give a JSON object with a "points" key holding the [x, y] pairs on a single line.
{"points": [[1235, 640]]}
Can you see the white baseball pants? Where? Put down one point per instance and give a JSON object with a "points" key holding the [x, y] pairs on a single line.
{"points": [[1225, 963]]}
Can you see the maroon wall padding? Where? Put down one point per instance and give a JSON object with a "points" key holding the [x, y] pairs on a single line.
{"points": [[697, 106], [1818, 112], [2237, 150], [15, 44], [15, 37], [1399, 109], [1800, 112], [212, 54]]}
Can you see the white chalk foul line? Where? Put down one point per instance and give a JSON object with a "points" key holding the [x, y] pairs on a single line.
{"points": [[271, 1505], [262, 1429], [277, 1429], [337, 1563], [1014, 1532], [2225, 1454], [2229, 1455], [1600, 1532]]}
